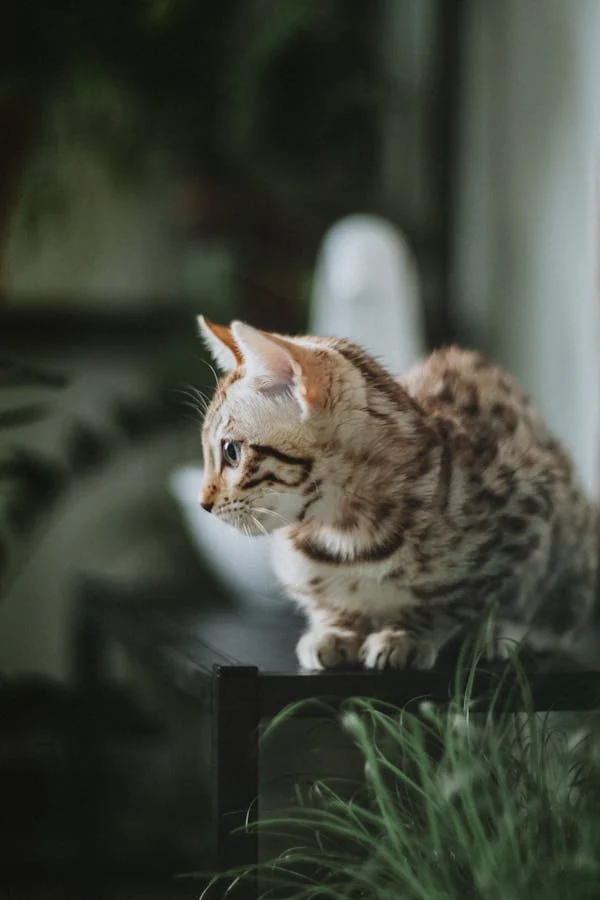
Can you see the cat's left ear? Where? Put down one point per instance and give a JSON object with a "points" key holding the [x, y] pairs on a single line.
{"points": [[220, 343], [278, 365]]}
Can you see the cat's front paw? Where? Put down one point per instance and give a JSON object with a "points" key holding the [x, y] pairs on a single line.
{"points": [[330, 648], [395, 649]]}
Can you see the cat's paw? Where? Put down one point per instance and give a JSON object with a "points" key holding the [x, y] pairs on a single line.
{"points": [[329, 648], [390, 649]]}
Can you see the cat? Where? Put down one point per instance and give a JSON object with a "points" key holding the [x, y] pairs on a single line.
{"points": [[403, 510]]}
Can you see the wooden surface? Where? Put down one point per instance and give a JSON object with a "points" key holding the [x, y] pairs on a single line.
{"points": [[187, 643]]}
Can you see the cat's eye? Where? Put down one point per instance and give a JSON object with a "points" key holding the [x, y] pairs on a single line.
{"points": [[231, 452]]}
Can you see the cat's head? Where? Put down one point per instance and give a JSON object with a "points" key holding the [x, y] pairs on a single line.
{"points": [[267, 425]]}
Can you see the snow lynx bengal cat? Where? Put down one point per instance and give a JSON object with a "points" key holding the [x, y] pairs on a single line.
{"points": [[403, 509]]}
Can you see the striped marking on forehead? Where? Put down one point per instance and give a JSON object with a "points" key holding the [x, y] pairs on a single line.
{"points": [[269, 464], [263, 450], [376, 376]]}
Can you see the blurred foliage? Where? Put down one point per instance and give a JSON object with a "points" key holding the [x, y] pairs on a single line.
{"points": [[276, 98], [28, 481], [32, 477], [90, 120], [302, 88]]}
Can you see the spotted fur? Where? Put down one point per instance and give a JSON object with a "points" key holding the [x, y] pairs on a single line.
{"points": [[402, 509]]}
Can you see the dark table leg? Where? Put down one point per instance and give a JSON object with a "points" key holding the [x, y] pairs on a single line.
{"points": [[235, 772]]}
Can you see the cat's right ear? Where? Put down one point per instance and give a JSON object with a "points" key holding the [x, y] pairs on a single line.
{"points": [[220, 343]]}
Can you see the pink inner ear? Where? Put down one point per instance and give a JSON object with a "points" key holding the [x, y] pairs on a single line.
{"points": [[277, 364], [264, 358]]}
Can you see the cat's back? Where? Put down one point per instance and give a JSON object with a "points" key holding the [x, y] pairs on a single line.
{"points": [[464, 388], [513, 489]]}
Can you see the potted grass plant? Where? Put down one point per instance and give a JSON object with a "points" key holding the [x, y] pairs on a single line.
{"points": [[455, 803]]}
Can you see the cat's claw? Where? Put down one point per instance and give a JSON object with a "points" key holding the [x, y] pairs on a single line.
{"points": [[330, 649], [396, 650]]}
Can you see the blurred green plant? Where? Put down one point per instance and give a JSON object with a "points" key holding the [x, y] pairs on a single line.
{"points": [[28, 481], [302, 94], [32, 480], [455, 803], [90, 121], [247, 92]]}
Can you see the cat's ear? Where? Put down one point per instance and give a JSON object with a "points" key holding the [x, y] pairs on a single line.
{"points": [[278, 365], [221, 344]]}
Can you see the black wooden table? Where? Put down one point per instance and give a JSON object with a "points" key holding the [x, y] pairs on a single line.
{"points": [[240, 693]]}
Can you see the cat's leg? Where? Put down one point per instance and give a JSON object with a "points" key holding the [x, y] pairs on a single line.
{"points": [[560, 621], [414, 639], [333, 639], [564, 617], [510, 637]]}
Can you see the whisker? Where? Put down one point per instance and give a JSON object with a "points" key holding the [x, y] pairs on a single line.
{"points": [[193, 416], [274, 491], [258, 524], [270, 512], [189, 389], [190, 403], [198, 413], [212, 369], [240, 525], [193, 398]]}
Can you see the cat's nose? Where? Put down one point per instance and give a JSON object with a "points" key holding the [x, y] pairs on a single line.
{"points": [[207, 505]]}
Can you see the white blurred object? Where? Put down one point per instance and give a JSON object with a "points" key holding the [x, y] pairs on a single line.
{"points": [[240, 563], [366, 288]]}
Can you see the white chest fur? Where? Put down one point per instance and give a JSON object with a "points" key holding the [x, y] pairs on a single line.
{"points": [[364, 589]]}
